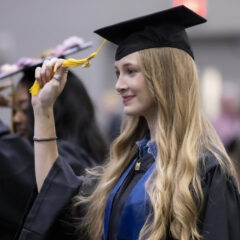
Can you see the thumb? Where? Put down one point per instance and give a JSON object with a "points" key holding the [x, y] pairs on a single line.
{"points": [[59, 69], [60, 74]]}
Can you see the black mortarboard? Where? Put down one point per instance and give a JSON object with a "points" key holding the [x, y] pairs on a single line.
{"points": [[161, 29], [39, 62]]}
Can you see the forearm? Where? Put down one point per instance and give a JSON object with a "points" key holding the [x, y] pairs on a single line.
{"points": [[46, 152]]}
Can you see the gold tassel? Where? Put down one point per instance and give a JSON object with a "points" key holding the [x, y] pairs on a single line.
{"points": [[71, 62]]}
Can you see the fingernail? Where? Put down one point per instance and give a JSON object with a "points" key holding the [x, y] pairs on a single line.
{"points": [[48, 74], [40, 84]]}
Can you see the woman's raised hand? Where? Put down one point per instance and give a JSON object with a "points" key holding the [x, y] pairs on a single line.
{"points": [[51, 85]]}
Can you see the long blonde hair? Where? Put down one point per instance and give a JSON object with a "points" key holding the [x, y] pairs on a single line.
{"points": [[182, 134]]}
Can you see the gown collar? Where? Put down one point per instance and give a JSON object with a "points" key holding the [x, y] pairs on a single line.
{"points": [[145, 146]]}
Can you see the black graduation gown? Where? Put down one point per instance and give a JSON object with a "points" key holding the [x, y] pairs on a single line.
{"points": [[17, 177], [16, 180], [44, 220], [59, 186], [220, 218]]}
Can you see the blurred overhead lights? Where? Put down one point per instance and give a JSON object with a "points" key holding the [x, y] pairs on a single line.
{"points": [[198, 6]]}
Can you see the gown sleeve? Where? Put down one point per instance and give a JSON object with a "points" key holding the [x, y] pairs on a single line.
{"points": [[75, 156], [53, 199], [220, 218]]}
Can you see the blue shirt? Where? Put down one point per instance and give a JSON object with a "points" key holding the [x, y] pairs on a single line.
{"points": [[136, 205]]}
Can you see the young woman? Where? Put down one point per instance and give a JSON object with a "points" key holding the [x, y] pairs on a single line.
{"points": [[169, 176]]}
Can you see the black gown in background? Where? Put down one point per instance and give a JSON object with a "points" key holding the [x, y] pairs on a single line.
{"points": [[17, 181]]}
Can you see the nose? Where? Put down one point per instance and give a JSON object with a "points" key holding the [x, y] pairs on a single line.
{"points": [[120, 85], [17, 117]]}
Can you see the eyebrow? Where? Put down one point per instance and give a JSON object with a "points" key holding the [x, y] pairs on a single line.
{"points": [[125, 65]]}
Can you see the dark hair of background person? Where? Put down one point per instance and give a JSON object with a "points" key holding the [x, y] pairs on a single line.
{"points": [[74, 116]]}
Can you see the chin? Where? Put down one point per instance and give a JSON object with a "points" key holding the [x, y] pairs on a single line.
{"points": [[131, 112], [22, 134]]}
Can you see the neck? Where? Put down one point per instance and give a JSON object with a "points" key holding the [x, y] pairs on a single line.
{"points": [[151, 121]]}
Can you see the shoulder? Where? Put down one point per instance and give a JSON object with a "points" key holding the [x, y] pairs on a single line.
{"points": [[208, 163], [12, 140], [75, 156], [219, 217], [16, 154], [3, 129], [213, 176]]}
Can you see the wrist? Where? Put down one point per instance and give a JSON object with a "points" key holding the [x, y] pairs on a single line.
{"points": [[42, 111], [44, 125]]}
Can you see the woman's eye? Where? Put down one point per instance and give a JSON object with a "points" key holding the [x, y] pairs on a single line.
{"points": [[131, 71], [117, 74]]}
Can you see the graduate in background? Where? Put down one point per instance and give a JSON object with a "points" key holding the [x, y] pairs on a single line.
{"points": [[169, 176], [74, 116], [16, 176]]}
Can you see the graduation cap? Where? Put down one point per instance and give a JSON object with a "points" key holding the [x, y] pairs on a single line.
{"points": [[5, 101], [161, 29], [30, 64]]}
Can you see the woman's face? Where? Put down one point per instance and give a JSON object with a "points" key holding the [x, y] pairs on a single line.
{"points": [[20, 110], [132, 86]]}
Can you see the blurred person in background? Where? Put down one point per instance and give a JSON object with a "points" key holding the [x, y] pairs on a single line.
{"points": [[75, 116], [17, 179], [227, 124]]}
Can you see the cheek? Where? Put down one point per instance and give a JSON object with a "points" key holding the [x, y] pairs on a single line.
{"points": [[146, 96], [24, 118]]}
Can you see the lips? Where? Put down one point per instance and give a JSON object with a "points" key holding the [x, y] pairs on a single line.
{"points": [[126, 99]]}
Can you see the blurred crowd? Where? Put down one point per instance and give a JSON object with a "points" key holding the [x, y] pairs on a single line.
{"points": [[227, 122]]}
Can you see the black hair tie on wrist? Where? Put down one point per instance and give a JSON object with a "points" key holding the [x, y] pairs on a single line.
{"points": [[35, 139]]}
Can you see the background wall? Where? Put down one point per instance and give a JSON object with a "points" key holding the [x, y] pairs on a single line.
{"points": [[28, 27]]}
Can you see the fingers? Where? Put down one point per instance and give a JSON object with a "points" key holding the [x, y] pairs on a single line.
{"points": [[38, 76], [60, 71], [44, 74], [45, 71]]}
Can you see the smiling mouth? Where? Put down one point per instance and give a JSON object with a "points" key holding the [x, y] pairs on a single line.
{"points": [[126, 99]]}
